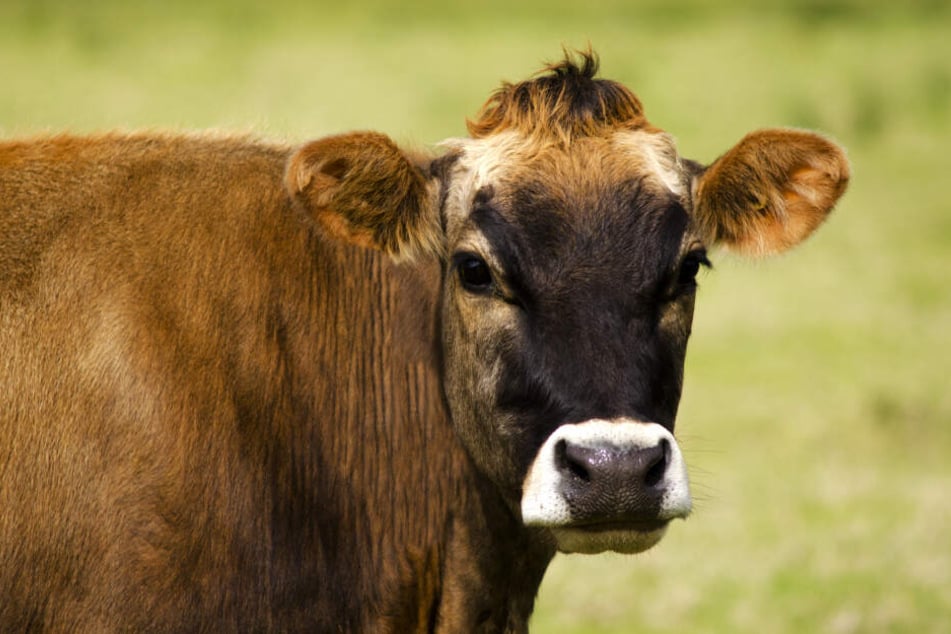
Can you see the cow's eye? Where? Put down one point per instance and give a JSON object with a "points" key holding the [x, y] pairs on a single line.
{"points": [[474, 272], [691, 266]]}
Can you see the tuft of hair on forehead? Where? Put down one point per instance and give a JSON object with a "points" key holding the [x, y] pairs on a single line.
{"points": [[565, 100]]}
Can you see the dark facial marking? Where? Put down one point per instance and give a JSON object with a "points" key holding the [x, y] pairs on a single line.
{"points": [[596, 273], [507, 246]]}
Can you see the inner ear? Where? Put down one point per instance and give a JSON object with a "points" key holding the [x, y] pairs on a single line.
{"points": [[336, 168], [770, 191]]}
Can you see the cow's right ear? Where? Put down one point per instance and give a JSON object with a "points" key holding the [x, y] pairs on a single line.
{"points": [[361, 188]]}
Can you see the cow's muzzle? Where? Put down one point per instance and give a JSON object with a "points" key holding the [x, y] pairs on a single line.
{"points": [[607, 485]]}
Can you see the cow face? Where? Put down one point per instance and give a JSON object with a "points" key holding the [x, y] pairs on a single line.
{"points": [[567, 305], [571, 234]]}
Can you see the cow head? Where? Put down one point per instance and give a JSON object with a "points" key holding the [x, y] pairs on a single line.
{"points": [[571, 234]]}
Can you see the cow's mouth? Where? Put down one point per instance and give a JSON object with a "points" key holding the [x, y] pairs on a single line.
{"points": [[622, 537], [636, 526]]}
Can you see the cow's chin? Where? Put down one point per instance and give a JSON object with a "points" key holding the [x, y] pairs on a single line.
{"points": [[592, 541]]}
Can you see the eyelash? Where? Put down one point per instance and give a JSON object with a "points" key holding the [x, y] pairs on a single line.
{"points": [[690, 267]]}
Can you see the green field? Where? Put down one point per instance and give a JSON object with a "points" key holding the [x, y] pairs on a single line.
{"points": [[817, 410]]}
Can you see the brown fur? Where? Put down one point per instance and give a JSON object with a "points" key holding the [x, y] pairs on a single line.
{"points": [[770, 191], [209, 410], [363, 189], [549, 105]]}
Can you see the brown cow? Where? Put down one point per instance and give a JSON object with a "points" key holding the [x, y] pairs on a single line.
{"points": [[348, 388]]}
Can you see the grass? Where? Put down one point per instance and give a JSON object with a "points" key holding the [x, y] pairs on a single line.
{"points": [[817, 410]]}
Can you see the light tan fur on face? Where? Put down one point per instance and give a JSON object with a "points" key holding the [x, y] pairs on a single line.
{"points": [[508, 158], [652, 153]]}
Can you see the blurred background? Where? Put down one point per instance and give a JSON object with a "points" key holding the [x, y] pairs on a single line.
{"points": [[817, 408]]}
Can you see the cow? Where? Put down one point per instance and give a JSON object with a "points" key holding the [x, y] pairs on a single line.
{"points": [[351, 387]]}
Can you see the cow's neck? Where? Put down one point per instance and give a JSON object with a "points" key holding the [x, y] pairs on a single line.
{"points": [[494, 568], [397, 509]]}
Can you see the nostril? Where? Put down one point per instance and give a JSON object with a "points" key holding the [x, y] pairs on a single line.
{"points": [[657, 469], [567, 463]]}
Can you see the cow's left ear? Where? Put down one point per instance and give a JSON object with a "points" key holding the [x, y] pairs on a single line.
{"points": [[770, 191], [361, 188]]}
